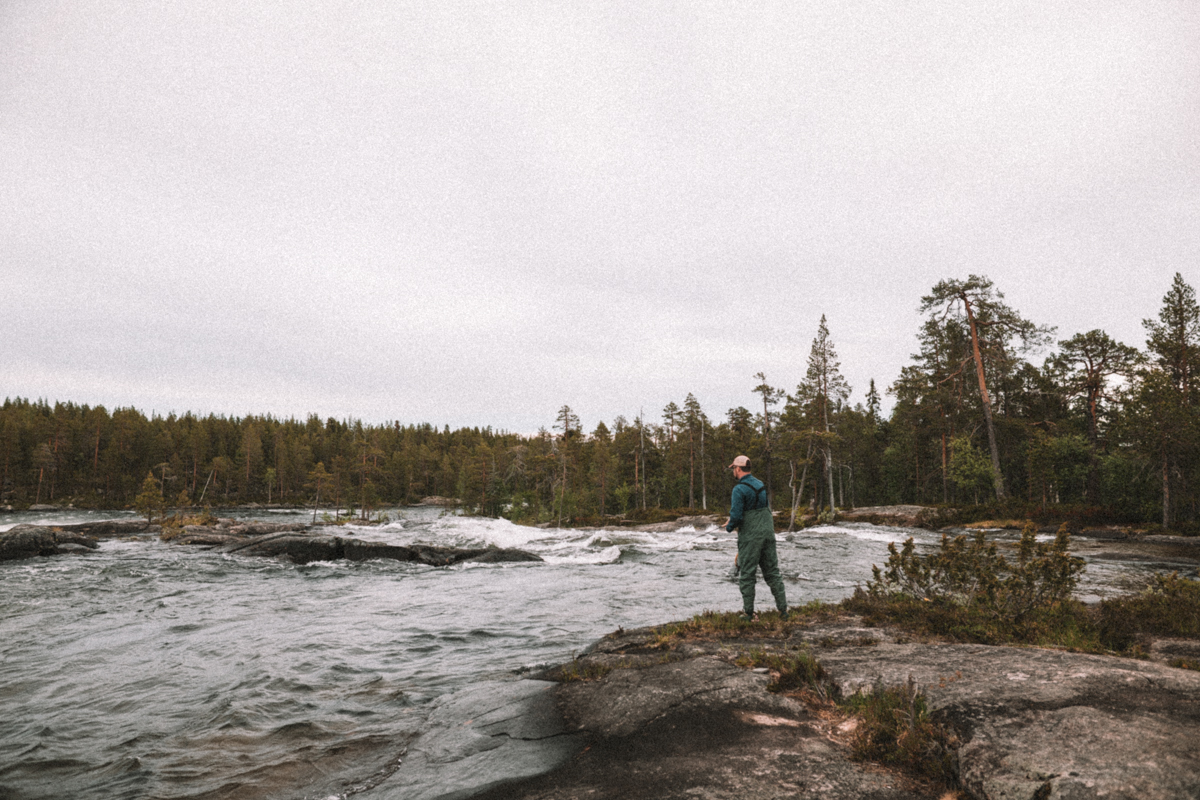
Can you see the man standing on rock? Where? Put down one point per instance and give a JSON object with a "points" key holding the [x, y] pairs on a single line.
{"points": [[750, 516]]}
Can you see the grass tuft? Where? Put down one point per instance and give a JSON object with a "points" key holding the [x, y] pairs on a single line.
{"points": [[895, 728], [583, 671], [789, 671], [724, 624]]}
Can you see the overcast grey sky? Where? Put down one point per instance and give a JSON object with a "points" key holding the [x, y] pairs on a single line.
{"points": [[473, 213]]}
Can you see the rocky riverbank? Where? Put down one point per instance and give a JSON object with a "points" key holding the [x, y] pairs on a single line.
{"points": [[644, 715]]}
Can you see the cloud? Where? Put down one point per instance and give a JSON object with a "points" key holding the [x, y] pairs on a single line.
{"points": [[470, 215]]}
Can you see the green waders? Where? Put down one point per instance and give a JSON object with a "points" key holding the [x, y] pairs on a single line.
{"points": [[756, 548]]}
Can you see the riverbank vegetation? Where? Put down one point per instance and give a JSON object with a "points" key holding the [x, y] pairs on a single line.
{"points": [[995, 417], [969, 591]]}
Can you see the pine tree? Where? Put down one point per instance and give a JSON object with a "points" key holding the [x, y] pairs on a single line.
{"points": [[993, 326], [770, 397], [821, 392], [149, 500], [568, 423], [1167, 389], [1084, 367]]}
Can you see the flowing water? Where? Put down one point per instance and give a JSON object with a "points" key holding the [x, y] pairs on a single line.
{"points": [[149, 670]]}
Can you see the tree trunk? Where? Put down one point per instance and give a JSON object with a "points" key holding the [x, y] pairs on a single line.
{"points": [[691, 470], [997, 477], [1166, 476], [945, 478], [829, 477]]}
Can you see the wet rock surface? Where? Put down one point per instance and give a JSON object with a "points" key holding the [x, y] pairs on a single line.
{"points": [[27, 541], [1031, 723], [112, 527], [896, 516], [486, 736], [698, 727], [296, 542]]}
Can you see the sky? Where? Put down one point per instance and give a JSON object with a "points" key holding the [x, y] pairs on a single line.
{"points": [[472, 214]]}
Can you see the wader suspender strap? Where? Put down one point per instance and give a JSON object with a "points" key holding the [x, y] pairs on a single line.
{"points": [[757, 497]]}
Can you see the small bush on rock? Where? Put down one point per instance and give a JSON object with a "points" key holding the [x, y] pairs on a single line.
{"points": [[895, 728], [790, 671], [1169, 607], [971, 573]]}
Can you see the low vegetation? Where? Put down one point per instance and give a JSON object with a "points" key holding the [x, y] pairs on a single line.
{"points": [[895, 728], [578, 670], [790, 671], [968, 592]]}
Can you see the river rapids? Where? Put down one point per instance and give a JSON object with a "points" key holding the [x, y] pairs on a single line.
{"points": [[149, 670]]}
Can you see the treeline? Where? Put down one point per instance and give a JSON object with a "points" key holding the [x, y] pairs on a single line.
{"points": [[1098, 426]]}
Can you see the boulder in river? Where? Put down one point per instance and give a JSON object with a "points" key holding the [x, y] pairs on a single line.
{"points": [[112, 527], [436, 500], [26, 541], [263, 528], [897, 516], [303, 547]]}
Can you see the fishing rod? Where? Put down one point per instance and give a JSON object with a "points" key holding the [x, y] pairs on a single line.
{"points": [[681, 544]]}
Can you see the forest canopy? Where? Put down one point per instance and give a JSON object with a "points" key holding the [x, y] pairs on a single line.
{"points": [[1098, 426]]}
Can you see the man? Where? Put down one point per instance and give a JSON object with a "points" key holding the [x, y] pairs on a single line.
{"points": [[750, 516]]}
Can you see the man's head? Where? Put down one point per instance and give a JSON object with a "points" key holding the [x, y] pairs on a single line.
{"points": [[740, 467]]}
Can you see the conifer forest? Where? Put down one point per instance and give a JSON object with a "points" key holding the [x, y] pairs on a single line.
{"points": [[994, 410]]}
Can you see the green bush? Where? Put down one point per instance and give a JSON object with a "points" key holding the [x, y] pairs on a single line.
{"points": [[971, 573], [1169, 607]]}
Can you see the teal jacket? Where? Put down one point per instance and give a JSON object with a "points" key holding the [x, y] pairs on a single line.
{"points": [[746, 497]]}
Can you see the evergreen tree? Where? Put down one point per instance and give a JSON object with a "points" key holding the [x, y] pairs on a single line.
{"points": [[149, 500], [1085, 366], [1174, 340], [821, 393], [1166, 395], [568, 424], [994, 328], [770, 397]]}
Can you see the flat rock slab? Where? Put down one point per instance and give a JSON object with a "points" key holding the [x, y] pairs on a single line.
{"points": [[1032, 724], [697, 728], [1036, 723], [630, 699], [481, 738]]}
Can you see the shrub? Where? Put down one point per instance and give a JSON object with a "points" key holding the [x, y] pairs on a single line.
{"points": [[1170, 606], [969, 572], [895, 728]]}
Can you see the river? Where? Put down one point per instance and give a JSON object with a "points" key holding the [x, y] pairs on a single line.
{"points": [[149, 670]]}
